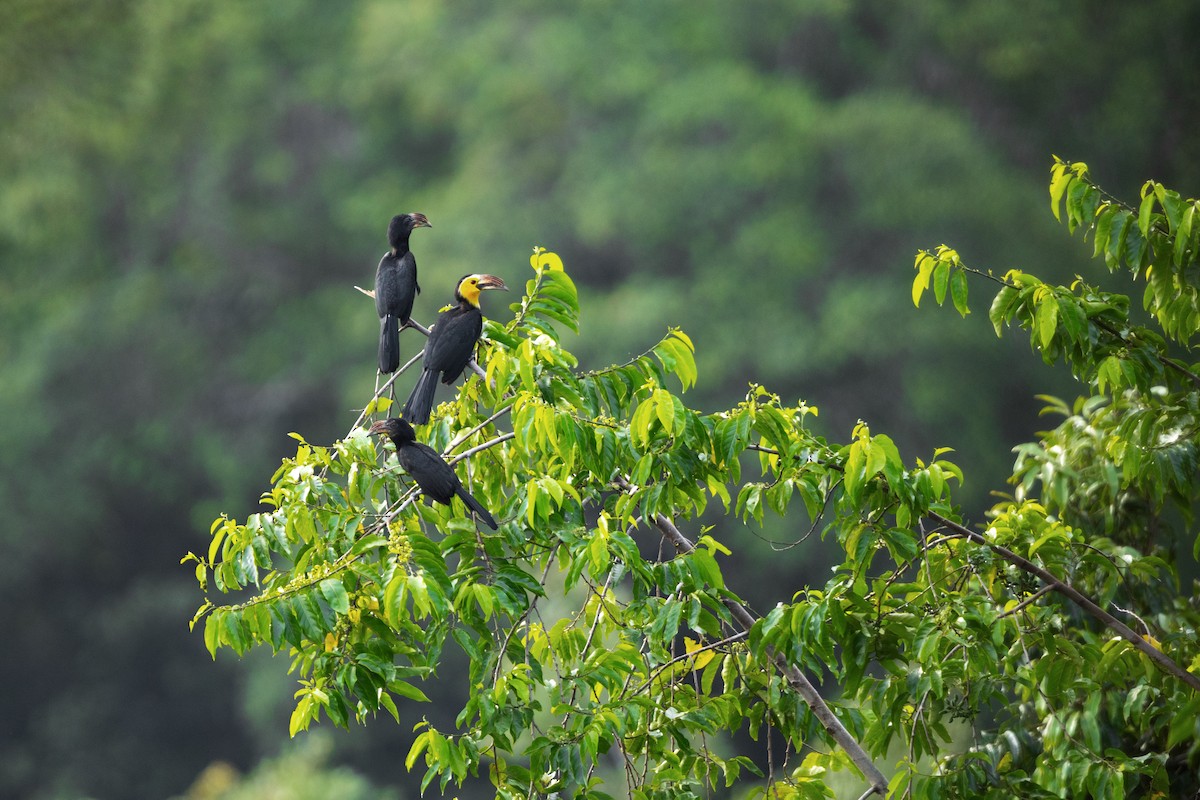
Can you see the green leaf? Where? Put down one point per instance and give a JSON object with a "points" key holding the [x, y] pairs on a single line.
{"points": [[1145, 214], [707, 567], [1185, 723], [958, 292], [1103, 230], [877, 459], [855, 465], [1003, 304], [1058, 186], [395, 598], [1073, 318], [1121, 223], [749, 501], [1183, 235], [1075, 211], [925, 265], [1172, 205], [665, 409], [335, 594], [302, 715], [309, 616], [1047, 320], [407, 690], [212, 631], [941, 280], [419, 745]]}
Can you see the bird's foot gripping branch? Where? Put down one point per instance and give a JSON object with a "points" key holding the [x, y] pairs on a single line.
{"points": [[602, 663]]}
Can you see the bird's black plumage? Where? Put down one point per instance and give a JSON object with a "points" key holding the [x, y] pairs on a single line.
{"points": [[435, 477], [451, 344], [396, 287]]}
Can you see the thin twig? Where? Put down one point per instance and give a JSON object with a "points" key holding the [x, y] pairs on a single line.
{"points": [[666, 665], [1127, 612], [1028, 601]]}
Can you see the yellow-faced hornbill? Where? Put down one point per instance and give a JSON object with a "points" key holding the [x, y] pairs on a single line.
{"points": [[451, 344], [396, 287], [435, 477]]}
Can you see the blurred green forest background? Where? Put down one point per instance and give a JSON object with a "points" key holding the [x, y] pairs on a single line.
{"points": [[189, 191]]}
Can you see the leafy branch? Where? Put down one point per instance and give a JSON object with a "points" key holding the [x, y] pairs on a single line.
{"points": [[1164, 662]]}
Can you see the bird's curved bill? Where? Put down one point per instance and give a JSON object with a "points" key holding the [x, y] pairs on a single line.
{"points": [[378, 427], [491, 282], [420, 220]]}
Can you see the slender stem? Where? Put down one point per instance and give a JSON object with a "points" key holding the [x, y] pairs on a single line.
{"points": [[710, 646], [1028, 601]]}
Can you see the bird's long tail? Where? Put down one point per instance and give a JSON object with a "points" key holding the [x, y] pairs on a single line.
{"points": [[389, 344], [477, 507], [420, 402]]}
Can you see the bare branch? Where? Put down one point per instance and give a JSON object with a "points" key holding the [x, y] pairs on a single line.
{"points": [[480, 447]]}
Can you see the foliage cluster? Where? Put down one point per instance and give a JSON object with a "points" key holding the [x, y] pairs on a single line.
{"points": [[925, 623]]}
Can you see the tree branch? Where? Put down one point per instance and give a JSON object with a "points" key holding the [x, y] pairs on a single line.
{"points": [[1161, 358], [1165, 662], [504, 437], [795, 678]]}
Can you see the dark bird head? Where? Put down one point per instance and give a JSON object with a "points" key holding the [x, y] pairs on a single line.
{"points": [[471, 285], [401, 226], [396, 429]]}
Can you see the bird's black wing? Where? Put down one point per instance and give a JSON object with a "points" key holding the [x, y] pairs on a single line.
{"points": [[381, 281], [396, 286], [454, 344], [435, 477]]}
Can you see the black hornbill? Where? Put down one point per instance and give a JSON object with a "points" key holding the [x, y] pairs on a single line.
{"points": [[435, 477], [396, 287], [451, 344]]}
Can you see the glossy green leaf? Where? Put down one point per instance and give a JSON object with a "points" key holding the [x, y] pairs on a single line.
{"points": [[958, 292], [941, 281], [335, 594], [1047, 320]]}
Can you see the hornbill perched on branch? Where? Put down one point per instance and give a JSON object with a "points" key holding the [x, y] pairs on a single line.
{"points": [[435, 477], [396, 287], [451, 344]]}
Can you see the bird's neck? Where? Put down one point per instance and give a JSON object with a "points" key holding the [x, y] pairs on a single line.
{"points": [[399, 249], [469, 298]]}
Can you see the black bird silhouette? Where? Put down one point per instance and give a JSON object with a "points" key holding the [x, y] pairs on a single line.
{"points": [[396, 287], [451, 343], [435, 477]]}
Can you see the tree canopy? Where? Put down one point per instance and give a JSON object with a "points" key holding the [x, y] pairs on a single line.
{"points": [[601, 632]]}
